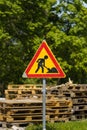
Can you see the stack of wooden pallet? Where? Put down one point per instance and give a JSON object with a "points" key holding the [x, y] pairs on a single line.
{"points": [[23, 91], [59, 110], [79, 102], [22, 111], [30, 111], [78, 94], [23, 104]]}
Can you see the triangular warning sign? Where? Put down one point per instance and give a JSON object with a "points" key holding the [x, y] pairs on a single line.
{"points": [[44, 64]]}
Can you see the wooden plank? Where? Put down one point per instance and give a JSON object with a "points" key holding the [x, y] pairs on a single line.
{"points": [[25, 118], [24, 86], [1, 117]]}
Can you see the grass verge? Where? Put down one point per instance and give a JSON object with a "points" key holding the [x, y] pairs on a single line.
{"points": [[72, 125]]}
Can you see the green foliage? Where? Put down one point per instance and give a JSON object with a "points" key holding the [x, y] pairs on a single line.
{"points": [[70, 38], [21, 32], [77, 125]]}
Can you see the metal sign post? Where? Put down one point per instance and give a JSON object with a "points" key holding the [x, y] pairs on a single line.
{"points": [[44, 104]]}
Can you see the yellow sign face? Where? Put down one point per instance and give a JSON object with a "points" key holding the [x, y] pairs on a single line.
{"points": [[44, 64]]}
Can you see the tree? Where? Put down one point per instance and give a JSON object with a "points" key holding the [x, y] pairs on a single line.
{"points": [[70, 38], [21, 32]]}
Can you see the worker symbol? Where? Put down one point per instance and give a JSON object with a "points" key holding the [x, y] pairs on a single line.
{"points": [[41, 65]]}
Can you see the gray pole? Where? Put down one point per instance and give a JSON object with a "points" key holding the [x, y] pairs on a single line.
{"points": [[44, 104]]}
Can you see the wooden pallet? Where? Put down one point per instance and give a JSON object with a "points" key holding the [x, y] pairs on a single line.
{"points": [[80, 101], [24, 86], [70, 87], [80, 93], [33, 118], [22, 91], [23, 96], [80, 107], [56, 119], [78, 117], [30, 96]]}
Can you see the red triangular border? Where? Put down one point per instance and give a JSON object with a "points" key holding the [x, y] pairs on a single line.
{"points": [[60, 73]]}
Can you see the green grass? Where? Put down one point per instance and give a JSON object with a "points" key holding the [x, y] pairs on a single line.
{"points": [[76, 125]]}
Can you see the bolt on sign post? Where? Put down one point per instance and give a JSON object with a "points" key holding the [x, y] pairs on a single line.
{"points": [[44, 65]]}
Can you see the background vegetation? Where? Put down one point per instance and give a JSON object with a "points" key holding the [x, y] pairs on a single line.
{"points": [[77, 125], [25, 23]]}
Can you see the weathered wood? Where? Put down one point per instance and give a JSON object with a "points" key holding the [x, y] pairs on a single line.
{"points": [[63, 102]]}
